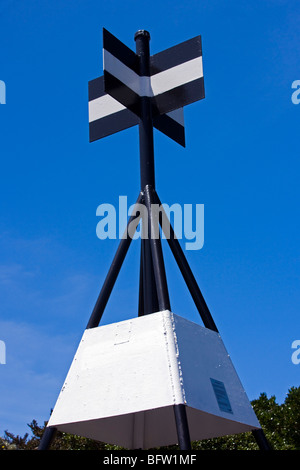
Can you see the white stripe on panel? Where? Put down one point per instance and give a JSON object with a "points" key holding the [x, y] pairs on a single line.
{"points": [[158, 83], [176, 76], [103, 106], [123, 73]]}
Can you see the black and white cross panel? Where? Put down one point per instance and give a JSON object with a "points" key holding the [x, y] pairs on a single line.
{"points": [[175, 79]]}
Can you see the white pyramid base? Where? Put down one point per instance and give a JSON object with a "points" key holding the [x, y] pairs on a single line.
{"points": [[126, 377]]}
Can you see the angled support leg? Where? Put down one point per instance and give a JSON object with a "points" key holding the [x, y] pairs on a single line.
{"points": [[47, 439], [183, 433], [186, 270], [113, 271], [197, 296], [261, 440], [102, 300]]}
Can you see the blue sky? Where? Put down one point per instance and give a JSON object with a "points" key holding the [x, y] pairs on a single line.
{"points": [[241, 161]]}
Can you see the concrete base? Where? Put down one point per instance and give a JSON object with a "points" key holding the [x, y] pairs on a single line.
{"points": [[126, 377]]}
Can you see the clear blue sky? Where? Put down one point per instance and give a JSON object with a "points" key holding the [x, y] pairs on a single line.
{"points": [[241, 161]]}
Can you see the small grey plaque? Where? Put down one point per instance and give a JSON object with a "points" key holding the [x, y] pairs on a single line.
{"points": [[221, 395]]}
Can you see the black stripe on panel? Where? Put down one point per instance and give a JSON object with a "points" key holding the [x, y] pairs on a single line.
{"points": [[178, 97], [96, 88], [170, 128], [176, 55], [113, 123], [121, 93], [120, 51]]}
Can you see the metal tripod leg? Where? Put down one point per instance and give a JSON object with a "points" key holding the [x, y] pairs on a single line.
{"points": [[112, 274], [197, 296], [261, 440], [186, 270], [102, 300], [47, 439], [182, 426]]}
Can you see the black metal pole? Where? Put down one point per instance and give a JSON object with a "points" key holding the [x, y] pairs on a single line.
{"points": [[149, 300], [147, 170], [156, 250], [183, 434], [141, 285], [261, 440], [112, 273], [147, 174], [154, 263], [47, 439]]}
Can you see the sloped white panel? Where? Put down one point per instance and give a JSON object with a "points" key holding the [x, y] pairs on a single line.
{"points": [[126, 377]]}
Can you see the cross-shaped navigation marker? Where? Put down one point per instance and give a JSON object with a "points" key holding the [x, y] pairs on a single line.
{"points": [[175, 80], [110, 393]]}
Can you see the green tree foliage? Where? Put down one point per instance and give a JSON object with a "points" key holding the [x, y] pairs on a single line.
{"points": [[281, 424]]}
